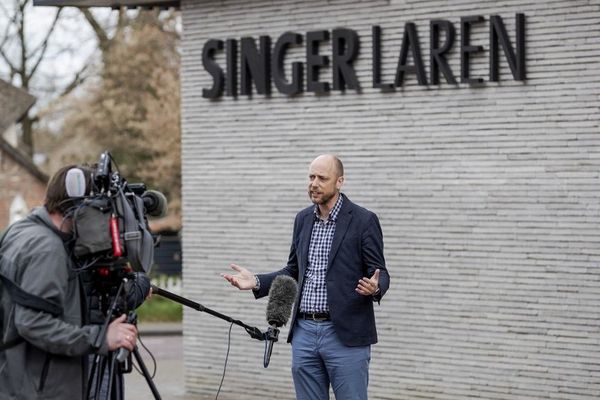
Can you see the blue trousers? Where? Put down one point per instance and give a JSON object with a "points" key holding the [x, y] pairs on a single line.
{"points": [[320, 359]]}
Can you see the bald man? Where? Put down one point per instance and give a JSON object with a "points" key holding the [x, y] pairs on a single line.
{"points": [[337, 259]]}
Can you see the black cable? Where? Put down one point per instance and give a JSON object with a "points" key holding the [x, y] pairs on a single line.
{"points": [[151, 356], [226, 358]]}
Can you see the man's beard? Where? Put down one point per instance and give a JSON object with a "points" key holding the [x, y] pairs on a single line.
{"points": [[325, 197]]}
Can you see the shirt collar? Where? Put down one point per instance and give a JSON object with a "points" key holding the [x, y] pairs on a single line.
{"points": [[333, 214]]}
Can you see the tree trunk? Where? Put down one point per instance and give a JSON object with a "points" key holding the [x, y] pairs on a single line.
{"points": [[27, 137]]}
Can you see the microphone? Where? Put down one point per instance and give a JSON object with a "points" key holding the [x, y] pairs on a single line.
{"points": [[281, 298], [155, 203]]}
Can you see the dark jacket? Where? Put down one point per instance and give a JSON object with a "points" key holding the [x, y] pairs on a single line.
{"points": [[356, 252], [96, 288], [49, 363]]}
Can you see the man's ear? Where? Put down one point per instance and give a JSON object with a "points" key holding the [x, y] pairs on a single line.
{"points": [[340, 182]]}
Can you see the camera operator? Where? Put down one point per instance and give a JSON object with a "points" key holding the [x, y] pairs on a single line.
{"points": [[44, 340]]}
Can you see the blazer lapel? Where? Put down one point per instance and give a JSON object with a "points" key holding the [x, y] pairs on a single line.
{"points": [[341, 227], [307, 228]]}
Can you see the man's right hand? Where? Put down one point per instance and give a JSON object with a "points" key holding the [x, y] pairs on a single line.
{"points": [[243, 280], [121, 334]]}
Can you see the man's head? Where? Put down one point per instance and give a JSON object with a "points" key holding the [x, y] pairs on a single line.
{"points": [[57, 200], [325, 179]]}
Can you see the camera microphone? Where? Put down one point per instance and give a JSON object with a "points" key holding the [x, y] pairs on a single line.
{"points": [[281, 298], [155, 203]]}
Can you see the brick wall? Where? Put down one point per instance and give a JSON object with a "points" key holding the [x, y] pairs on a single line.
{"points": [[16, 180], [487, 195]]}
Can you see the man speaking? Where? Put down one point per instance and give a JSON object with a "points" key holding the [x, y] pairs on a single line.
{"points": [[337, 259]]}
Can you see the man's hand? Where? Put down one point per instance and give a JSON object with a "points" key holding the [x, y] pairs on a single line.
{"points": [[121, 334], [368, 286], [243, 280]]}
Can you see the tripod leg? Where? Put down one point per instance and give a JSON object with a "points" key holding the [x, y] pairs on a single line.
{"points": [[118, 388], [113, 372], [92, 379], [97, 377], [140, 362]]}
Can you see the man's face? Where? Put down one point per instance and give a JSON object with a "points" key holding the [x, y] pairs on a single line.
{"points": [[323, 182]]}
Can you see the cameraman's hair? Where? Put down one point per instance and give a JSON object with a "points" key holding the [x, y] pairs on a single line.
{"points": [[57, 200]]}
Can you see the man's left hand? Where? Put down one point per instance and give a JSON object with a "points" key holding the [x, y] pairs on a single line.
{"points": [[368, 286]]}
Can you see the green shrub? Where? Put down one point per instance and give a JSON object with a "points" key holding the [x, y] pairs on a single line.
{"points": [[159, 309]]}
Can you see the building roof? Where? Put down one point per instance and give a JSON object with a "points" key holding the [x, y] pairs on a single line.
{"points": [[108, 3], [22, 159], [14, 103]]}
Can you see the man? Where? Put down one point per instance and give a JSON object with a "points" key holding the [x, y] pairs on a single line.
{"points": [[44, 343], [337, 258]]}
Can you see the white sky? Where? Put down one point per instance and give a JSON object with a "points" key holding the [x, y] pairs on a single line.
{"points": [[72, 44]]}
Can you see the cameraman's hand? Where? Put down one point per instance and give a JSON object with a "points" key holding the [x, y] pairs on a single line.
{"points": [[243, 280], [121, 334]]}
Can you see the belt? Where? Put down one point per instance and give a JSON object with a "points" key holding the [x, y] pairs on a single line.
{"points": [[315, 316]]}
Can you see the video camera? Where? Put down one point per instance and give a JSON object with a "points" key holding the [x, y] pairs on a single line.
{"points": [[110, 224]]}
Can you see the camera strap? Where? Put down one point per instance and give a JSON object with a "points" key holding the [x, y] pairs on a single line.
{"points": [[25, 299]]}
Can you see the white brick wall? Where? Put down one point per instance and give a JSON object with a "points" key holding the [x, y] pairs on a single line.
{"points": [[488, 198]]}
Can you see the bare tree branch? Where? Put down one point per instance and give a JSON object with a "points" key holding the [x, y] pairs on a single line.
{"points": [[103, 39], [77, 80], [44, 46], [22, 70], [10, 22], [7, 61]]}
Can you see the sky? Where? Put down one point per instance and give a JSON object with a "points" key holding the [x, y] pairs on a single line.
{"points": [[72, 45]]}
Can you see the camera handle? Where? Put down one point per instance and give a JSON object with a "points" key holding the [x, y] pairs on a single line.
{"points": [[254, 332]]}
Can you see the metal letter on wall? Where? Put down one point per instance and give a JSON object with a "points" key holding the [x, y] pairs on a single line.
{"points": [[212, 68], [255, 65], [346, 46], [438, 60], [466, 49], [516, 62], [231, 88], [410, 41], [277, 65], [314, 62], [376, 55]]}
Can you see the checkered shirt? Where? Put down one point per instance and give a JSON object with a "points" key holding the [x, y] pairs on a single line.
{"points": [[314, 293]]}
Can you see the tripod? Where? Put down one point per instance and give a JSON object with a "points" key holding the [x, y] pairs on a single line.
{"points": [[110, 368], [106, 375]]}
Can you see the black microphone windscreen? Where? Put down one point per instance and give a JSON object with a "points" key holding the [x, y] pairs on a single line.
{"points": [[155, 203], [281, 298]]}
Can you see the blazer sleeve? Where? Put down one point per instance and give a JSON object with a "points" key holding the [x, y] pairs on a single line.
{"points": [[372, 253]]}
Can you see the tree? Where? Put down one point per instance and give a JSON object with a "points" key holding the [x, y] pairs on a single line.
{"points": [[25, 51], [132, 109]]}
